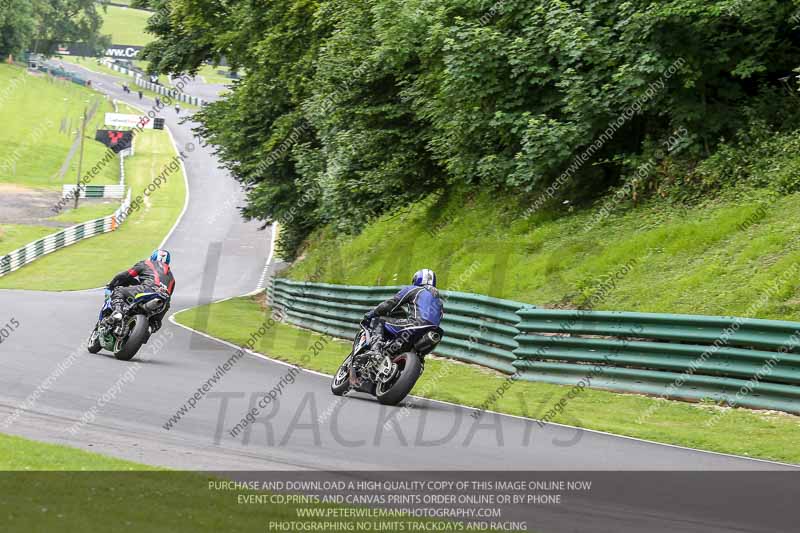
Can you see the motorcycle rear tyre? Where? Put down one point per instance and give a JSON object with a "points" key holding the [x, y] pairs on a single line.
{"points": [[135, 340]]}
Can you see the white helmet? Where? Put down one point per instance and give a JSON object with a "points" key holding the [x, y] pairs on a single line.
{"points": [[424, 277]]}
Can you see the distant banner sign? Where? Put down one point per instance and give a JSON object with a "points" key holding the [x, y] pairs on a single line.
{"points": [[118, 51], [117, 140], [123, 51], [120, 120]]}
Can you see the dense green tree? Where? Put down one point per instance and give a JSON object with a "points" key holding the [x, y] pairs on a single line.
{"points": [[350, 108], [260, 127], [373, 151], [16, 26], [41, 25]]}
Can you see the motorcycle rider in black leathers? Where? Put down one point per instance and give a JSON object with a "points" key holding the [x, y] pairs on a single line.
{"points": [[150, 275], [412, 312]]}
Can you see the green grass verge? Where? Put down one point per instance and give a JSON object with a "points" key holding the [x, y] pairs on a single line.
{"points": [[163, 79], [210, 75], [13, 236], [126, 26], [759, 434], [125, 108], [95, 65], [135, 239], [41, 117], [87, 212], [689, 259], [26, 455], [47, 487]]}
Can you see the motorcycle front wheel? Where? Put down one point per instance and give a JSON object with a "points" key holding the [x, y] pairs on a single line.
{"points": [[408, 371], [94, 342], [138, 329], [341, 380]]}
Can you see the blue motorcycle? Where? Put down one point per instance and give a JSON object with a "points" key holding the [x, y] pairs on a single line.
{"points": [[391, 374], [124, 338]]}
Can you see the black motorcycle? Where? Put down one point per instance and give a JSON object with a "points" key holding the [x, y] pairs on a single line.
{"points": [[390, 375], [124, 338]]}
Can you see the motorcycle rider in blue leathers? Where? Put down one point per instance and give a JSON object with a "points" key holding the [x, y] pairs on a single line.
{"points": [[411, 313]]}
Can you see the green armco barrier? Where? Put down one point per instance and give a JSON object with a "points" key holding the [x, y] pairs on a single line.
{"points": [[739, 361], [724, 361], [690, 328], [61, 73], [659, 383], [478, 329]]}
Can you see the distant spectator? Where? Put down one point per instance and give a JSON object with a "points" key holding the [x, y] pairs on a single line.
{"points": [[140, 95], [158, 102], [177, 109]]}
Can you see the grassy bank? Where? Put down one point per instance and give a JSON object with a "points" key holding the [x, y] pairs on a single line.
{"points": [[126, 26], [717, 257], [46, 487], [93, 64], [36, 138], [144, 229], [88, 212], [738, 431], [18, 454], [13, 236], [210, 74]]}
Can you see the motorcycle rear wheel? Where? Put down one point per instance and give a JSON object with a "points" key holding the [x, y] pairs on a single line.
{"points": [[410, 369], [136, 337]]}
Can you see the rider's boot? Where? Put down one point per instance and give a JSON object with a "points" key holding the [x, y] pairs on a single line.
{"points": [[361, 360], [117, 307], [374, 351]]}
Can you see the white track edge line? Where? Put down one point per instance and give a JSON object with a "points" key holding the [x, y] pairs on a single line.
{"points": [[270, 255], [185, 177], [185, 183], [636, 439], [265, 357], [259, 288]]}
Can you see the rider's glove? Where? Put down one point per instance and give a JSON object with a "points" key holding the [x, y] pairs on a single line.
{"points": [[368, 318]]}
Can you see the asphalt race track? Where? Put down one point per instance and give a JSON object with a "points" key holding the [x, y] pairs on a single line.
{"points": [[217, 255]]}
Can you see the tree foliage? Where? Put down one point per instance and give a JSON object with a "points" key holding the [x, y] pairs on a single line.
{"points": [[16, 25], [353, 107], [41, 25]]}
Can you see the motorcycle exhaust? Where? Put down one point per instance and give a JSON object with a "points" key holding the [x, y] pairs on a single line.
{"points": [[153, 305]]}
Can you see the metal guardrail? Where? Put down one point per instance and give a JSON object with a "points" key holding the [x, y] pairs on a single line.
{"points": [[60, 73], [739, 361], [479, 329], [139, 80], [117, 68], [94, 191], [172, 93]]}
